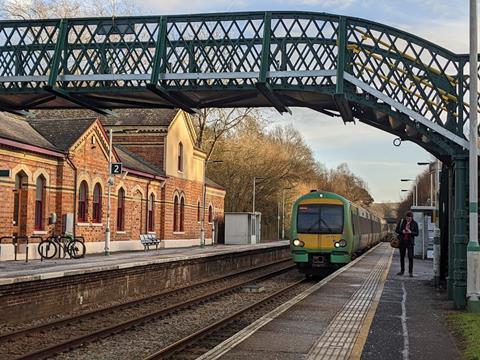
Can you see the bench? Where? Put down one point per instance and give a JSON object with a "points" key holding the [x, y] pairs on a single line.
{"points": [[149, 239]]}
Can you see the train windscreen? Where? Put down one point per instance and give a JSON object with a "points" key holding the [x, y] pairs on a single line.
{"points": [[320, 219]]}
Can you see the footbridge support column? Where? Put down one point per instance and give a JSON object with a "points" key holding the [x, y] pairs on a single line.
{"points": [[460, 238]]}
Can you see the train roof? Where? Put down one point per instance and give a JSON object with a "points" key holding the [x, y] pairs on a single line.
{"points": [[323, 194], [331, 195]]}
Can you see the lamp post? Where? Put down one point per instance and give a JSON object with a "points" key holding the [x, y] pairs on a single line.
{"points": [[416, 190], [473, 248], [204, 199], [109, 184], [283, 212]]}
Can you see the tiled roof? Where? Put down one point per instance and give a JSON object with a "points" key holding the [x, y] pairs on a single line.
{"points": [[212, 183], [62, 132], [136, 162], [126, 117], [21, 131]]}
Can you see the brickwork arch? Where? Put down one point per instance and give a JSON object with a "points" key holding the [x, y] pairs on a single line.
{"points": [[84, 176], [19, 168], [41, 172], [136, 189]]}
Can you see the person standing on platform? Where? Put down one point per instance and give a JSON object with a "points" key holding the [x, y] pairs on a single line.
{"points": [[407, 229]]}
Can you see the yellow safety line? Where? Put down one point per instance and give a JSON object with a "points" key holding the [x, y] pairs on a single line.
{"points": [[362, 336]]}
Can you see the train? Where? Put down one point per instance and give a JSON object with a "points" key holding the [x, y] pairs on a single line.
{"points": [[328, 231]]}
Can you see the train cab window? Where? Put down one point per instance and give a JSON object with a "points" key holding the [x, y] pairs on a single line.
{"points": [[320, 219]]}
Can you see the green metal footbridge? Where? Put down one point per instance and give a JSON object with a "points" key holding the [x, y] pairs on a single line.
{"points": [[340, 66]]}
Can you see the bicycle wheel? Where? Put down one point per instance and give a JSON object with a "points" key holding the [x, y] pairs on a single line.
{"points": [[47, 249], [76, 249]]}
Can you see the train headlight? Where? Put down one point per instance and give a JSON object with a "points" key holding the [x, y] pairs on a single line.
{"points": [[298, 243], [341, 243]]}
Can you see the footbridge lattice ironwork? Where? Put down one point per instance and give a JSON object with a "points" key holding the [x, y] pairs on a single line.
{"points": [[340, 66]]}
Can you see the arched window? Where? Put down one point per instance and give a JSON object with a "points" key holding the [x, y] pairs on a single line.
{"points": [[210, 213], [121, 210], [97, 204], [82, 202], [151, 224], [198, 211], [180, 157], [182, 214], [175, 214], [39, 203], [19, 204]]}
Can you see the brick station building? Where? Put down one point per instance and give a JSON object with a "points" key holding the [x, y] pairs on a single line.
{"points": [[58, 163]]}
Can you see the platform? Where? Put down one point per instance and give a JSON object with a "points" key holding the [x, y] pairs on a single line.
{"points": [[36, 289], [348, 314], [21, 271]]}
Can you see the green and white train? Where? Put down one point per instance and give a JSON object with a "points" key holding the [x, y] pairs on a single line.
{"points": [[329, 230]]}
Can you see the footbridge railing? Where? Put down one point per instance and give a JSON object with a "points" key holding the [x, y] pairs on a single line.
{"points": [[341, 66]]}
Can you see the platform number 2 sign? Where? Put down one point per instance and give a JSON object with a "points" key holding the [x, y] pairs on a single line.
{"points": [[116, 169]]}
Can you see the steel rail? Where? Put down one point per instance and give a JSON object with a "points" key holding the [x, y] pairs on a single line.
{"points": [[109, 330], [43, 327], [181, 344]]}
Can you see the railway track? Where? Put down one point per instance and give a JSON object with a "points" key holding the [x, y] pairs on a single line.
{"points": [[48, 339], [185, 345]]}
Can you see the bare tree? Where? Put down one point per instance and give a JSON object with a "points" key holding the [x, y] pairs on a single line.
{"points": [[212, 124], [47, 9]]}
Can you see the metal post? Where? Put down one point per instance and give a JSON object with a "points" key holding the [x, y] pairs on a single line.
{"points": [[278, 219], [436, 235], [109, 184], [283, 214], [416, 193], [451, 231], [253, 200], [460, 235], [431, 188], [473, 248], [202, 229]]}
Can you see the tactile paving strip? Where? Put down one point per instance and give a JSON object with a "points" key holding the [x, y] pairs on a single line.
{"points": [[339, 338]]}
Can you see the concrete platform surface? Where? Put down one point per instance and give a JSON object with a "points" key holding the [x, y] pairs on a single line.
{"points": [[20, 271], [364, 312], [409, 321]]}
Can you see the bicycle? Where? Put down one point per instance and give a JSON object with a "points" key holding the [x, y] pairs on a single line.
{"points": [[74, 247]]}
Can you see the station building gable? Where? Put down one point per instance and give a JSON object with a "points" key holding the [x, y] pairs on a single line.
{"points": [[70, 157]]}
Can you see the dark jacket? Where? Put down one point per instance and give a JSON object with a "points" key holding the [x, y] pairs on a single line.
{"points": [[413, 228]]}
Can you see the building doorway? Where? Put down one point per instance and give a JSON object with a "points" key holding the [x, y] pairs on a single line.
{"points": [[20, 204]]}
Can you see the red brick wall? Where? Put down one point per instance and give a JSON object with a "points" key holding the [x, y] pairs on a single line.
{"points": [[33, 166], [148, 146], [192, 191], [91, 163]]}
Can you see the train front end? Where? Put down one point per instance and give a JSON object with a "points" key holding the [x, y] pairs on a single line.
{"points": [[321, 232]]}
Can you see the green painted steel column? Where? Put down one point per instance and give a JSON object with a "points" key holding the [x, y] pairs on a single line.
{"points": [[341, 57], [159, 61], [265, 55], [62, 42], [451, 230], [460, 238]]}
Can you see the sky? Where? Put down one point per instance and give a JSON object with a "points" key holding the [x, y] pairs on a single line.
{"points": [[369, 152]]}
